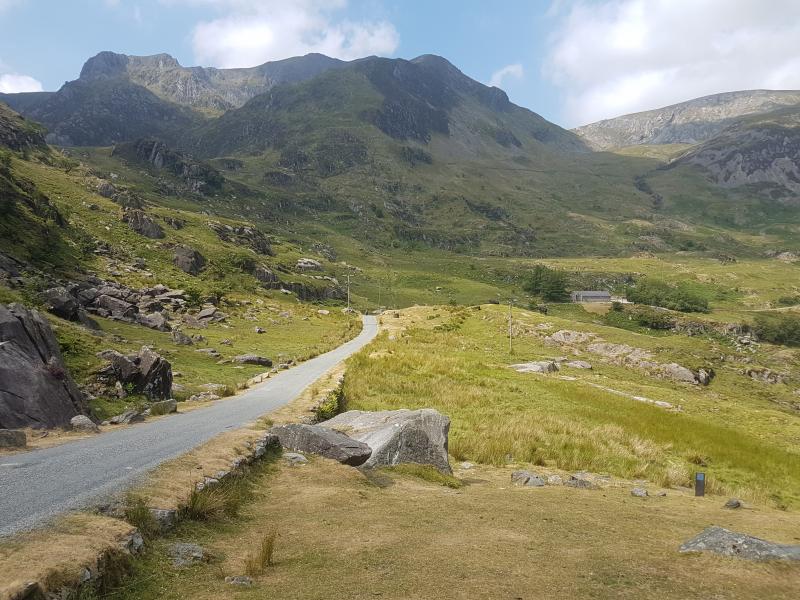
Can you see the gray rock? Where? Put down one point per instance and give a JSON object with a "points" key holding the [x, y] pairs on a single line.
{"points": [[733, 503], [639, 492], [580, 482], [155, 321], [718, 540], [166, 518], [398, 436], [293, 458], [308, 264], [106, 189], [527, 479], [184, 554], [539, 366], [181, 338], [466, 465], [83, 423], [142, 224], [704, 376], [554, 480], [578, 364], [126, 418], [12, 439], [207, 312], [145, 373], [188, 260], [35, 386], [253, 359], [116, 307], [676, 372], [239, 580], [164, 407], [322, 441], [203, 397], [566, 336]]}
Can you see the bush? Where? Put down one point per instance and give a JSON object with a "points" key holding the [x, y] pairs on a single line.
{"points": [[680, 297], [549, 284], [781, 329], [257, 562]]}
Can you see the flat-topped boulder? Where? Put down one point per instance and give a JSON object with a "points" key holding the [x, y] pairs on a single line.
{"points": [[718, 540], [398, 436], [322, 441]]}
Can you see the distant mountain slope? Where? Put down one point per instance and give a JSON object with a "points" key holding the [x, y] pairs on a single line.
{"points": [[408, 101], [204, 87], [689, 122], [17, 133], [759, 149]]}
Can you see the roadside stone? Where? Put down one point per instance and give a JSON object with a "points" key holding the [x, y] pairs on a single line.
{"points": [[639, 492], [527, 479], [126, 418], [203, 397], [724, 542], [239, 580], [184, 554], [322, 441], [733, 503], [398, 436], [10, 438], [83, 423], [164, 407]]}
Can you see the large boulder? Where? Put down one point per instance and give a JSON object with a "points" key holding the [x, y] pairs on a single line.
{"points": [[61, 303], [539, 366], [35, 386], [142, 224], [322, 441], [143, 373], [718, 540], [253, 359], [398, 436], [188, 260]]}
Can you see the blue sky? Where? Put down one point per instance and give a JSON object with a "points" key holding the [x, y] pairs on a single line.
{"points": [[573, 61]]}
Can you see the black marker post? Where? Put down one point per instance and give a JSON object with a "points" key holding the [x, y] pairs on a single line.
{"points": [[699, 484]]}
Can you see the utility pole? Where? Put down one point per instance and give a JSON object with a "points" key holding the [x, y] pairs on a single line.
{"points": [[348, 291]]}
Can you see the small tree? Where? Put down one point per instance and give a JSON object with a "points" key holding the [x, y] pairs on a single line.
{"points": [[549, 284]]}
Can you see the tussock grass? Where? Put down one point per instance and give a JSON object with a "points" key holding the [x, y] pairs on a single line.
{"points": [[501, 417], [426, 473], [256, 562], [138, 514]]}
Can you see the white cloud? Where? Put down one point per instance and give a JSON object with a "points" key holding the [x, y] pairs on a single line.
{"points": [[6, 4], [619, 56], [515, 71], [251, 32], [11, 83]]}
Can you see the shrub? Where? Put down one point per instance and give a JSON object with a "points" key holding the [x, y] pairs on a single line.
{"points": [[781, 329], [680, 297], [549, 284]]}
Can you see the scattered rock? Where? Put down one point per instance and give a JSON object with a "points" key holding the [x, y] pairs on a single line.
{"points": [[308, 264], [466, 465], [293, 458], [164, 407], [188, 260], [578, 364], [12, 439], [322, 441], [62, 304], [580, 482], [639, 492], [526, 478], [181, 338], [323, 312], [184, 554], [166, 518], [143, 373], [239, 580], [398, 436], [203, 397], [106, 189], [540, 366], [565, 336], [733, 503], [765, 375], [155, 321], [139, 222], [260, 330], [704, 376], [207, 312], [718, 540], [676, 372], [126, 418], [554, 480], [83, 423], [35, 386], [253, 359]]}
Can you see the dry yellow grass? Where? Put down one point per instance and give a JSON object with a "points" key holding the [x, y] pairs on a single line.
{"points": [[342, 536], [56, 556]]}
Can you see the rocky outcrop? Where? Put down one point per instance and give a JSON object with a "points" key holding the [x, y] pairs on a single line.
{"points": [[143, 373], [323, 441], [253, 359], [188, 260], [308, 264], [142, 224], [35, 387], [19, 134], [718, 540], [541, 366], [398, 436], [61, 303], [243, 235]]}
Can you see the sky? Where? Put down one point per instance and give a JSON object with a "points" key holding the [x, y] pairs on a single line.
{"points": [[572, 61]]}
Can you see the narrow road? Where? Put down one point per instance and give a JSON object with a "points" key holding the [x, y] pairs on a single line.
{"points": [[37, 485]]}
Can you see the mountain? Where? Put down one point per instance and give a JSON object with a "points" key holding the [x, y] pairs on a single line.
{"points": [[17, 133], [207, 88], [689, 122]]}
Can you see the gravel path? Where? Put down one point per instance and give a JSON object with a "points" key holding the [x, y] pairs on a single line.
{"points": [[37, 485]]}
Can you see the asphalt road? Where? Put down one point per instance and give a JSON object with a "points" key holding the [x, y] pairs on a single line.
{"points": [[38, 485]]}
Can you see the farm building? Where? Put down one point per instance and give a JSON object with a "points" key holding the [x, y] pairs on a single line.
{"points": [[591, 296]]}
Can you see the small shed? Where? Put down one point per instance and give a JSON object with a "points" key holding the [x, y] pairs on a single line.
{"points": [[591, 296]]}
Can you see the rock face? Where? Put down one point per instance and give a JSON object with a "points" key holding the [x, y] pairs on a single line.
{"points": [[143, 373], [398, 436], [188, 260], [35, 387], [323, 441], [718, 540]]}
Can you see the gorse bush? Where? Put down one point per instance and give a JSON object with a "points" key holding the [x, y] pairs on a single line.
{"points": [[549, 284], [681, 296], [781, 328]]}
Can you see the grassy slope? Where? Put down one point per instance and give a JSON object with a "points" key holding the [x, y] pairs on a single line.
{"points": [[734, 425]]}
